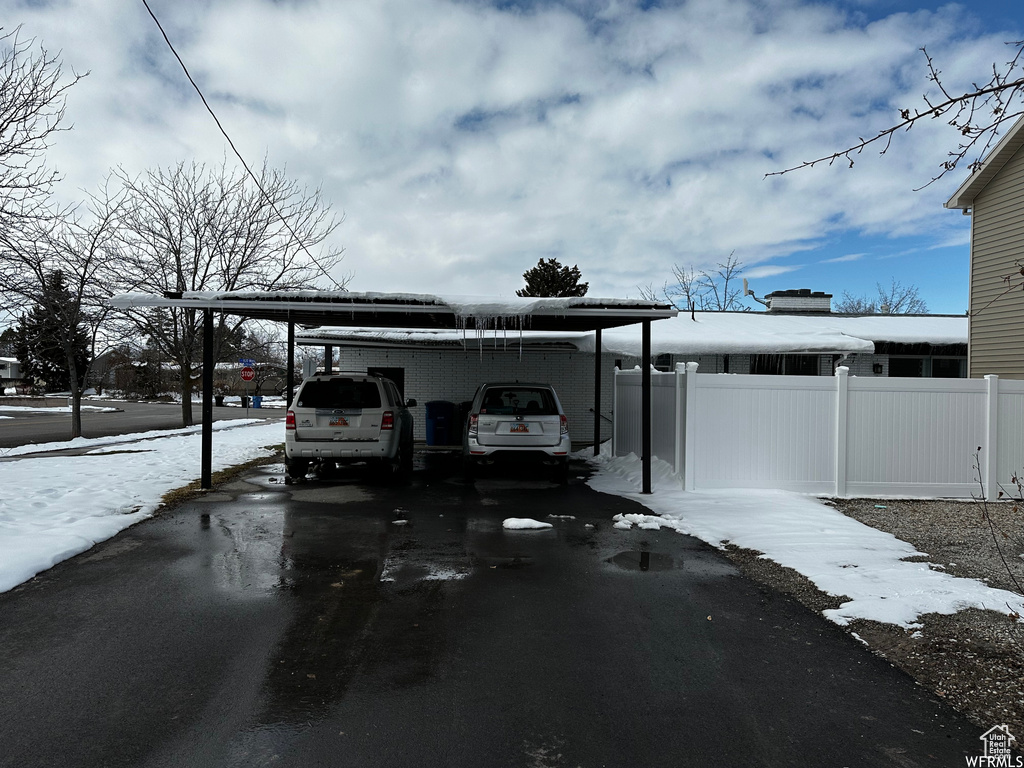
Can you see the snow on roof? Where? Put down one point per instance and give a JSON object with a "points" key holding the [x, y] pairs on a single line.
{"points": [[708, 333], [464, 306]]}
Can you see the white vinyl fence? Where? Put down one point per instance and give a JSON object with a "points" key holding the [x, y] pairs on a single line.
{"points": [[841, 435]]}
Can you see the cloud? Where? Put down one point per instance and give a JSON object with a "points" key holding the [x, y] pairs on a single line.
{"points": [[464, 141], [770, 270], [847, 257]]}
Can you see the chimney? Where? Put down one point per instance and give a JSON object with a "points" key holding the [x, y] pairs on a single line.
{"points": [[799, 301]]}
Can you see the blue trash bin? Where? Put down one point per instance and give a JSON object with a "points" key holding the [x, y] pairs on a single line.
{"points": [[440, 416], [257, 401]]}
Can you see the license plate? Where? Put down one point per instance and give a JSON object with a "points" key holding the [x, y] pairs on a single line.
{"points": [[519, 428], [340, 421]]}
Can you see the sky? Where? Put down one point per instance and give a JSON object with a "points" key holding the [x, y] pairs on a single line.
{"points": [[55, 507], [464, 140]]}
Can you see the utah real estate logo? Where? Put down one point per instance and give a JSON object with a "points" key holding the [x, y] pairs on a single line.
{"points": [[998, 743]]}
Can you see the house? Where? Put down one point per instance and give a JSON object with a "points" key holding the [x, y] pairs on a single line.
{"points": [[10, 372], [797, 335], [993, 197]]}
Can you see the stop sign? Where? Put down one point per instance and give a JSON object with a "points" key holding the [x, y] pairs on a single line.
{"points": [[248, 374]]}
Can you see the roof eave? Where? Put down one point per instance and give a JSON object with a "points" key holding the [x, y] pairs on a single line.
{"points": [[1004, 149]]}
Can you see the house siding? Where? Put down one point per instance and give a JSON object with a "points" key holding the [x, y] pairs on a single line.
{"points": [[997, 232]]}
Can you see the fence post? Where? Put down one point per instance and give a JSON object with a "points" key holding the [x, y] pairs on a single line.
{"points": [[615, 412], [842, 414], [690, 428], [679, 426], [990, 455]]}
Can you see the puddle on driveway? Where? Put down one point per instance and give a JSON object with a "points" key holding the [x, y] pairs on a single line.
{"points": [[637, 560]]}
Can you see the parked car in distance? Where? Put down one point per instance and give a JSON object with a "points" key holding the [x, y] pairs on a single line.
{"points": [[515, 421], [345, 418]]}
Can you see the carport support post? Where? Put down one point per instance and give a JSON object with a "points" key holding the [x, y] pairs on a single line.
{"points": [[645, 409], [597, 392], [291, 363], [206, 474], [328, 359]]}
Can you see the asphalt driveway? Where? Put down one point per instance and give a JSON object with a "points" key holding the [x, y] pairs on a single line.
{"points": [[344, 623]]}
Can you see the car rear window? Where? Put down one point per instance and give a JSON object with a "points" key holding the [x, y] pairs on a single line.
{"points": [[339, 393], [508, 401]]}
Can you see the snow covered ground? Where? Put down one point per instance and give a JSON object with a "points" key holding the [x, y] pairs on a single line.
{"points": [[54, 507], [840, 555]]}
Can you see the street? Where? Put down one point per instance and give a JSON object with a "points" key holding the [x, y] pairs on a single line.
{"points": [[43, 427], [346, 623]]}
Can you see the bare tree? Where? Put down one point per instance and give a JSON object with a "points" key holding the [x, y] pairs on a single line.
{"points": [[194, 228], [897, 299], [60, 266], [977, 115], [32, 103], [719, 289]]}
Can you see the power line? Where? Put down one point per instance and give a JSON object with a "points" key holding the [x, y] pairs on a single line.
{"points": [[238, 154]]}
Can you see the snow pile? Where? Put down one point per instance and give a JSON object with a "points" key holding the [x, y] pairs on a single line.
{"points": [[523, 524], [840, 555], [87, 442], [53, 508]]}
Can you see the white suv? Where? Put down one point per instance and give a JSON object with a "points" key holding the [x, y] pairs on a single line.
{"points": [[346, 418], [517, 421]]}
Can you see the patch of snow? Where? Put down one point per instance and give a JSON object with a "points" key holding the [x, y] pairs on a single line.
{"points": [[840, 555], [523, 524]]}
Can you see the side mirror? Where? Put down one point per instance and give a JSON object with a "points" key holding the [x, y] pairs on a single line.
{"points": [[410, 403]]}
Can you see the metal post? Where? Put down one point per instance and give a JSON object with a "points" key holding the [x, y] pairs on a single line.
{"points": [[645, 410], [206, 473], [597, 392], [291, 362], [328, 359]]}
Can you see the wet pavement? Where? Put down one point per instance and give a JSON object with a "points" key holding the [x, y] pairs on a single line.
{"points": [[346, 623]]}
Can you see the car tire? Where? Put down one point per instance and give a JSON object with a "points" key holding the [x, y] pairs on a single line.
{"points": [[296, 468], [561, 473], [394, 469]]}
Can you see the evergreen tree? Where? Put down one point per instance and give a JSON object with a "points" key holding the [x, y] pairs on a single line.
{"points": [[549, 278], [43, 342]]}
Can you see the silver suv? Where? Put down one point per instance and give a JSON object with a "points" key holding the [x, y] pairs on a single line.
{"points": [[346, 418], [516, 421]]}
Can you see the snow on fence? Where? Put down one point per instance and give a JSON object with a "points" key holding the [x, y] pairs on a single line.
{"points": [[841, 435]]}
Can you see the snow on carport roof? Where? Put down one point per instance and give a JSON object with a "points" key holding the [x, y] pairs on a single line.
{"points": [[708, 333], [412, 310]]}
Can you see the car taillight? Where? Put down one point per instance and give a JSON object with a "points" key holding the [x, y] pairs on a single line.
{"points": [[474, 424], [565, 424], [289, 420], [387, 421]]}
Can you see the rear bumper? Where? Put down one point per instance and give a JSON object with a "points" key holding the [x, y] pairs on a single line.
{"points": [[474, 450], [347, 450]]}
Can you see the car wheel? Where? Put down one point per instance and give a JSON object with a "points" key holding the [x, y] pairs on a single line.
{"points": [[394, 469], [296, 468], [407, 456], [561, 474]]}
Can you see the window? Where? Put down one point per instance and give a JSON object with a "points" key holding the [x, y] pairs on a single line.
{"points": [[789, 365], [511, 401], [947, 368], [909, 367], [339, 393]]}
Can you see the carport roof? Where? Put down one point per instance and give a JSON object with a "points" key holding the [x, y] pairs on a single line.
{"points": [[412, 310]]}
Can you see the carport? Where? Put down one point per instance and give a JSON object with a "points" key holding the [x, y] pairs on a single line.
{"points": [[415, 311]]}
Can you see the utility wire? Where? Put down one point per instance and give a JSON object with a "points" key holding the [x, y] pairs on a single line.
{"points": [[238, 154]]}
